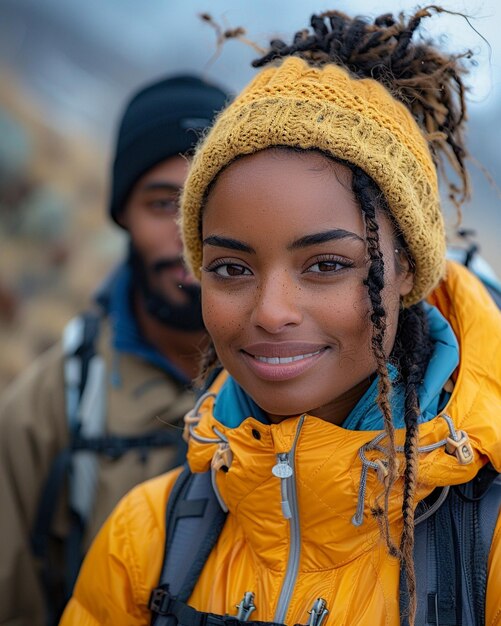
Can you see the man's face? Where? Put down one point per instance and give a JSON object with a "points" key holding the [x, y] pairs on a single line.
{"points": [[150, 217], [169, 293]]}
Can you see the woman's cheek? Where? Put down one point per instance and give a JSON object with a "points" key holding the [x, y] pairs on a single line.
{"points": [[219, 313], [211, 312]]}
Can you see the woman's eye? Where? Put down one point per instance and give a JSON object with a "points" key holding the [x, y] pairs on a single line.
{"points": [[322, 267], [230, 270]]}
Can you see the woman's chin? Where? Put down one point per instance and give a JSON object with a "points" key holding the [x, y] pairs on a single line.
{"points": [[278, 412]]}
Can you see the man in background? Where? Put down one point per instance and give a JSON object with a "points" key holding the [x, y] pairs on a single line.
{"points": [[102, 410]]}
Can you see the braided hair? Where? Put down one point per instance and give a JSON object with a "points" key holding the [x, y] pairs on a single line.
{"points": [[429, 83]]}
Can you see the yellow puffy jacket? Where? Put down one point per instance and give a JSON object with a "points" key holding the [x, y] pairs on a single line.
{"points": [[345, 564]]}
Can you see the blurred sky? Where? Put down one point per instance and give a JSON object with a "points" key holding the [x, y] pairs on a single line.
{"points": [[80, 59]]}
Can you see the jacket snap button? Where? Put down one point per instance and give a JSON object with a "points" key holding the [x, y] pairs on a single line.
{"points": [[256, 434]]}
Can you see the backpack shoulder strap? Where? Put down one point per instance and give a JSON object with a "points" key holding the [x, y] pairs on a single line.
{"points": [[483, 496], [194, 521], [451, 551], [79, 347], [78, 342], [78, 337]]}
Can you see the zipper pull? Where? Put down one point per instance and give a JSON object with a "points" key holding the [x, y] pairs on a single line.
{"points": [[318, 612], [284, 471], [246, 606]]}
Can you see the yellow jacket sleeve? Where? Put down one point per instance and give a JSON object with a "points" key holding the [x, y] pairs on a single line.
{"points": [[123, 564]]}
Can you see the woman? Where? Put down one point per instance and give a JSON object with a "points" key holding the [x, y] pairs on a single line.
{"points": [[361, 374]]}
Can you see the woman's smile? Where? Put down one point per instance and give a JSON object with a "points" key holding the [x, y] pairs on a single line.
{"points": [[282, 361]]}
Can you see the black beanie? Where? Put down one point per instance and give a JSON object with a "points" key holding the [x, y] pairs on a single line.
{"points": [[161, 120]]}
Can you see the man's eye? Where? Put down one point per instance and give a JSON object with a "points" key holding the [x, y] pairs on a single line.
{"points": [[168, 205]]}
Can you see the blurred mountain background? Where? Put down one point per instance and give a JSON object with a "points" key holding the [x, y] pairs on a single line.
{"points": [[66, 69]]}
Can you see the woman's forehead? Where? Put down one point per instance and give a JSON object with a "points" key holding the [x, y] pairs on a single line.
{"points": [[283, 189]]}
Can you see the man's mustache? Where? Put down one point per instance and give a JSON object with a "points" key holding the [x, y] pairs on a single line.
{"points": [[167, 264]]}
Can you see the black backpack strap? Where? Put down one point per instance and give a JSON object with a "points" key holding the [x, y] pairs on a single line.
{"points": [[483, 496], [167, 607], [451, 551], [115, 446], [194, 521]]}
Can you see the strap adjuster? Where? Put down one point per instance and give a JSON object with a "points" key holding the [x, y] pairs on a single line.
{"points": [[161, 601]]}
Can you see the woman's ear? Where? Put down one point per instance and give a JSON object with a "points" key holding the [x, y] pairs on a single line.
{"points": [[405, 271]]}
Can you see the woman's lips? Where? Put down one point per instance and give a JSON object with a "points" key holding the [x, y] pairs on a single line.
{"points": [[278, 362]]}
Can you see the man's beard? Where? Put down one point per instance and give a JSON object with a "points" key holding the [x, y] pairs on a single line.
{"points": [[186, 317]]}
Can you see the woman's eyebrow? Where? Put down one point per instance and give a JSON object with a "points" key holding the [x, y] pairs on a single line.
{"points": [[323, 237], [227, 242]]}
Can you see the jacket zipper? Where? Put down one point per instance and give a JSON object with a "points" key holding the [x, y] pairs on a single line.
{"points": [[285, 471]]}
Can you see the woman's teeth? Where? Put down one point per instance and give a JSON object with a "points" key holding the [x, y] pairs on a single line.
{"points": [[277, 360]]}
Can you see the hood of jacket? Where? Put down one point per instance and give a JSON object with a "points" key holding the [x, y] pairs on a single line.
{"points": [[334, 469]]}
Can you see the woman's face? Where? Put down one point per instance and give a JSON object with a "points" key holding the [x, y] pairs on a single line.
{"points": [[283, 294]]}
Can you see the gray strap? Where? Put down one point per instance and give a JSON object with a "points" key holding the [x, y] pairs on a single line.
{"points": [[194, 522]]}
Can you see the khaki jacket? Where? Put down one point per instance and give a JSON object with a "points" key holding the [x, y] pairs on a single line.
{"points": [[33, 429], [322, 554]]}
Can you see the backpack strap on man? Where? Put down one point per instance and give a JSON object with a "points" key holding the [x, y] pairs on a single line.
{"points": [[79, 341], [452, 542], [194, 521], [86, 402]]}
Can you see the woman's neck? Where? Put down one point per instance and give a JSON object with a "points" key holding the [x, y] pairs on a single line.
{"points": [[338, 410]]}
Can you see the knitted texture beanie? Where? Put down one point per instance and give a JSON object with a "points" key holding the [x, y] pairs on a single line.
{"points": [[161, 120], [355, 120]]}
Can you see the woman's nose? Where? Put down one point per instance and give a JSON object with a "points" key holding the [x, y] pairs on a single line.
{"points": [[277, 304]]}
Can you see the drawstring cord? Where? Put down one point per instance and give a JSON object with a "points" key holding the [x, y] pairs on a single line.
{"points": [[222, 456], [192, 419], [457, 444]]}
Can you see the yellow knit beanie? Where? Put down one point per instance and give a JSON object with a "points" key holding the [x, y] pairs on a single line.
{"points": [[356, 120]]}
